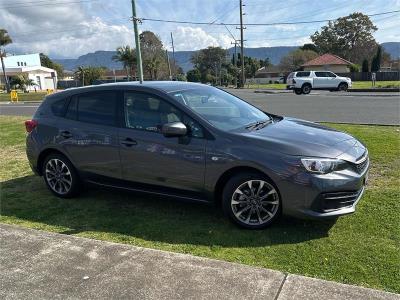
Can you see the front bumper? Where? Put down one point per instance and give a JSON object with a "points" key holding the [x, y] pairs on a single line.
{"points": [[330, 195]]}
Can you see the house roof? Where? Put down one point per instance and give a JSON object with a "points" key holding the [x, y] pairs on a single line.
{"points": [[327, 59], [109, 73], [18, 70]]}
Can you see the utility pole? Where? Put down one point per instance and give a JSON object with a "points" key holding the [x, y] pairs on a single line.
{"points": [[138, 53], [169, 66], [173, 55], [241, 45], [235, 61]]}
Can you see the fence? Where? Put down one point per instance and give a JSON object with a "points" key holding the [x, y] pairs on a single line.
{"points": [[366, 76]]}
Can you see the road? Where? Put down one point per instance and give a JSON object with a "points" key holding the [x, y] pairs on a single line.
{"points": [[319, 106]]}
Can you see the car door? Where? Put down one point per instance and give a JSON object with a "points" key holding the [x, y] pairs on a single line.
{"points": [[89, 133], [320, 80], [147, 156], [331, 80]]}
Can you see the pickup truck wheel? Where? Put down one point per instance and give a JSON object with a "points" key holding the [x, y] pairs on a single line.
{"points": [[298, 91], [306, 89], [343, 87]]}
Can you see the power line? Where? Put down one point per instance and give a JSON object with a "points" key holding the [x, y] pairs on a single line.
{"points": [[257, 24]]}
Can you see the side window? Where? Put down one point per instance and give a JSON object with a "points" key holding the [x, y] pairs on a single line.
{"points": [[72, 110], [320, 74], [330, 74], [303, 74], [149, 113], [58, 107], [98, 108]]}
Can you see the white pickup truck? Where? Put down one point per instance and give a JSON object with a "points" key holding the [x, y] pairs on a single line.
{"points": [[302, 82]]}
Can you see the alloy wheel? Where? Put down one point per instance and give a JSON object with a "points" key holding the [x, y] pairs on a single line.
{"points": [[58, 176], [255, 202]]}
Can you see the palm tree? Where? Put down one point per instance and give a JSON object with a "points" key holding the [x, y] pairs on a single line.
{"points": [[5, 39], [127, 56], [21, 82], [80, 74]]}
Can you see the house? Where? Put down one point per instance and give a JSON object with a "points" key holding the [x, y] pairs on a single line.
{"points": [[30, 66], [268, 74], [117, 75], [328, 62]]}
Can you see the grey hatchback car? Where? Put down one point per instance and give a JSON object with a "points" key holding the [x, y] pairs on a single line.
{"points": [[195, 142]]}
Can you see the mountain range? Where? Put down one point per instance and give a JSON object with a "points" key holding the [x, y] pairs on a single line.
{"points": [[104, 58]]}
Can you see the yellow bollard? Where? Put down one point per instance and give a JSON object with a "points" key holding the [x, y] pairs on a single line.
{"points": [[14, 96], [49, 91]]}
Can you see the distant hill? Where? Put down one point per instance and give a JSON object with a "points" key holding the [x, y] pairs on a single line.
{"points": [[393, 48], [104, 58]]}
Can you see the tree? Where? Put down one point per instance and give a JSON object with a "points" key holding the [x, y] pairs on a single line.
{"points": [[365, 67], [127, 56], [5, 39], [153, 55], [193, 75], [21, 82], [88, 75], [354, 68], [293, 60], [349, 37], [209, 62], [376, 60], [310, 46], [45, 61]]}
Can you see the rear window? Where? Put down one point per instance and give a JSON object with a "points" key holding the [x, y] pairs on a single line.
{"points": [[303, 74], [58, 107], [98, 108]]}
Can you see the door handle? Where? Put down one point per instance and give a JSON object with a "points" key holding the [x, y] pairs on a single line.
{"points": [[66, 134], [128, 142]]}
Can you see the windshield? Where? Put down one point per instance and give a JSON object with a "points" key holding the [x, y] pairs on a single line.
{"points": [[223, 110]]}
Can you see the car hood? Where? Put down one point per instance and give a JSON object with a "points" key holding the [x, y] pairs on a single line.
{"points": [[298, 137]]}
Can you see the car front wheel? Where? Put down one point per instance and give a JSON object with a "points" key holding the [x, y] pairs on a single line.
{"points": [[60, 176], [298, 91], [251, 201], [343, 87]]}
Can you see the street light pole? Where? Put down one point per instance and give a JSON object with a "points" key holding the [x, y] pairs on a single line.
{"points": [[137, 41]]}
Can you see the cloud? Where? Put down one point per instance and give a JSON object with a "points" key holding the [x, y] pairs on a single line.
{"points": [[286, 27], [193, 38]]}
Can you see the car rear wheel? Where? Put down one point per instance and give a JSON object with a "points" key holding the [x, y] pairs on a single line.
{"points": [[306, 89], [343, 87], [298, 91], [60, 176], [251, 201]]}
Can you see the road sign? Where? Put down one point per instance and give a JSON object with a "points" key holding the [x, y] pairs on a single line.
{"points": [[14, 96]]}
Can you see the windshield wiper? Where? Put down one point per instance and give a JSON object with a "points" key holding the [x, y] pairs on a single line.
{"points": [[258, 125]]}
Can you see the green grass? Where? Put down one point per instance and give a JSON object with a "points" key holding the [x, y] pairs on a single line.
{"points": [[356, 85], [362, 249], [32, 96]]}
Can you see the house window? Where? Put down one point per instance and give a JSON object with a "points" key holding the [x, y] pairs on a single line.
{"points": [[18, 63], [25, 64]]}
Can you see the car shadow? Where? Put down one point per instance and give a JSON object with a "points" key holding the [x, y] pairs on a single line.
{"points": [[126, 217]]}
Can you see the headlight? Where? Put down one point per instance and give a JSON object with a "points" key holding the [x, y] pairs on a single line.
{"points": [[322, 165]]}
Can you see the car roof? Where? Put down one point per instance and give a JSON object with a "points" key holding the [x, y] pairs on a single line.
{"points": [[163, 86]]}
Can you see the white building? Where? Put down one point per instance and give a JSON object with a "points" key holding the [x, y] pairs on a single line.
{"points": [[30, 66]]}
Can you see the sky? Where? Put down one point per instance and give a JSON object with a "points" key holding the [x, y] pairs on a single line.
{"points": [[70, 28]]}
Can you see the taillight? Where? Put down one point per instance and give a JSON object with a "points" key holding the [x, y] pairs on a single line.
{"points": [[30, 125]]}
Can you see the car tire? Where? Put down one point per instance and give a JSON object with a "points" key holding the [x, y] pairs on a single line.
{"points": [[60, 176], [343, 87], [298, 91], [306, 89], [251, 200]]}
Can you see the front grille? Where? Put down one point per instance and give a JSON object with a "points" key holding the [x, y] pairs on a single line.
{"points": [[332, 201]]}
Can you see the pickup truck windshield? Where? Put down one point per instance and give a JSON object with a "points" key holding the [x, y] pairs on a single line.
{"points": [[221, 109]]}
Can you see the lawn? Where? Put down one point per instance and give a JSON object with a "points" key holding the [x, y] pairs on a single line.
{"points": [[32, 96], [356, 85], [361, 249]]}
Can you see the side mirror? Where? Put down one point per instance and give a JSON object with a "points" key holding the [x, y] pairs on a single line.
{"points": [[174, 129]]}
